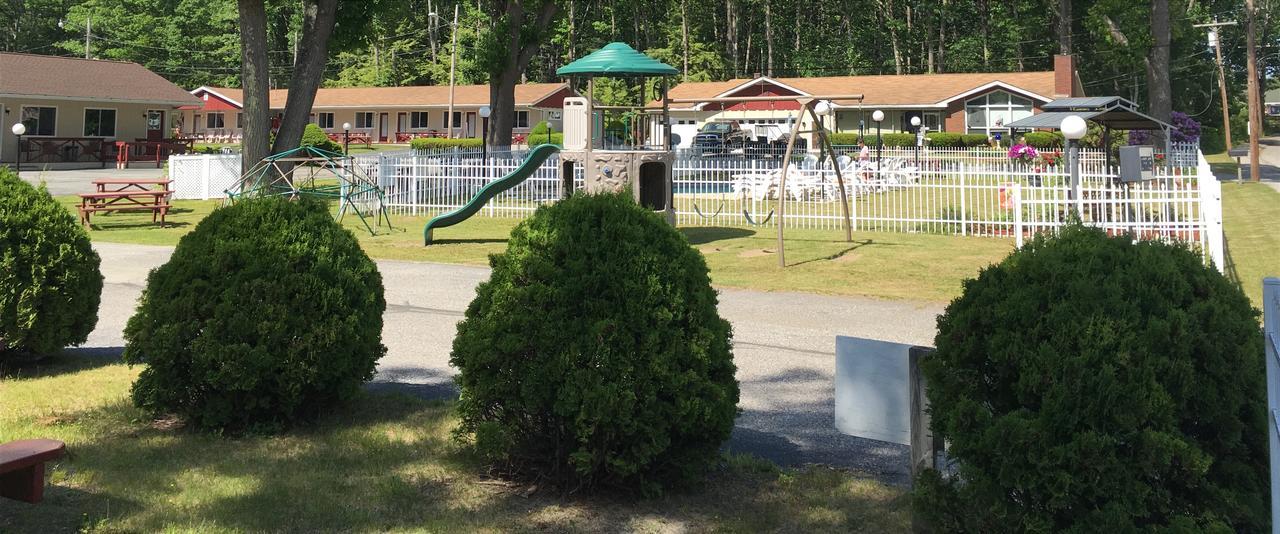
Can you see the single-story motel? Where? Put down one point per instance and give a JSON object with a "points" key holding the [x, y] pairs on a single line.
{"points": [[89, 104]]}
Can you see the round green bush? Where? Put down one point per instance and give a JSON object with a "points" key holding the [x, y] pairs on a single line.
{"points": [[268, 312], [594, 355], [313, 135], [50, 284], [1090, 384]]}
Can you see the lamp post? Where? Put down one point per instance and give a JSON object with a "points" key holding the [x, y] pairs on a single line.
{"points": [[484, 134], [915, 123], [1073, 128], [346, 138], [18, 129], [878, 116]]}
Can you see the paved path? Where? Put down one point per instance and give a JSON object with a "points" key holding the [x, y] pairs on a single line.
{"points": [[70, 182], [783, 346]]}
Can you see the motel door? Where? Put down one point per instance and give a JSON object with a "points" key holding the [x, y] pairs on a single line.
{"points": [[383, 120], [400, 123], [155, 125], [471, 124]]}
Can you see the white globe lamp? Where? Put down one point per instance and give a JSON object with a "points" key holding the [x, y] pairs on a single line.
{"points": [[877, 116], [19, 129], [1073, 127]]}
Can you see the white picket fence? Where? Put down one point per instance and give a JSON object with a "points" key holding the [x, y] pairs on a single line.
{"points": [[1271, 340], [203, 176], [978, 193]]}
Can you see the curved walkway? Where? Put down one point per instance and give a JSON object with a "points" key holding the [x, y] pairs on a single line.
{"points": [[783, 346]]}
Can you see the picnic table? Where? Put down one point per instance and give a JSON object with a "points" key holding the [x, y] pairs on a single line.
{"points": [[126, 195]]}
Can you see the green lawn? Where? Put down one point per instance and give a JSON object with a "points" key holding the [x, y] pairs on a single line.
{"points": [[384, 462], [1251, 225], [1223, 165], [877, 264]]}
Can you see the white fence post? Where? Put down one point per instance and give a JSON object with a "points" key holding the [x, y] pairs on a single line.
{"points": [[964, 205], [1017, 214], [1211, 211], [206, 161], [1271, 339]]}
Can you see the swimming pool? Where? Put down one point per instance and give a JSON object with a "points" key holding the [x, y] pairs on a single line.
{"points": [[690, 188]]}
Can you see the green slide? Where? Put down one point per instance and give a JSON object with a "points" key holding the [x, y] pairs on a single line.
{"points": [[538, 155]]}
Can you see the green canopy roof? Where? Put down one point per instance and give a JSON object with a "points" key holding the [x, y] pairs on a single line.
{"points": [[617, 59]]}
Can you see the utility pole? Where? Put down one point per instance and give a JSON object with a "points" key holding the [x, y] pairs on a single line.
{"points": [[88, 30], [453, 66], [1255, 108], [1215, 41]]}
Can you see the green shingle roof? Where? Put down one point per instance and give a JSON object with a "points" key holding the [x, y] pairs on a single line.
{"points": [[616, 59]]}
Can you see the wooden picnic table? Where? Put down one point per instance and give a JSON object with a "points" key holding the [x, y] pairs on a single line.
{"points": [[121, 184], [155, 201]]}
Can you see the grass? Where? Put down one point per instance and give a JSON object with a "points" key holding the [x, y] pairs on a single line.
{"points": [[876, 264], [383, 462], [1251, 226], [1223, 165]]}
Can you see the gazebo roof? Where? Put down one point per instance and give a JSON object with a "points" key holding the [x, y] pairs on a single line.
{"points": [[1112, 111], [616, 59]]}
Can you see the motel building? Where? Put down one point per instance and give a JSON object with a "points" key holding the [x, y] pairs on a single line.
{"points": [[82, 112], [966, 103], [384, 114]]}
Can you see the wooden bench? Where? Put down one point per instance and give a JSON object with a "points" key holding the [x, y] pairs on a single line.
{"points": [[157, 202], [22, 467]]}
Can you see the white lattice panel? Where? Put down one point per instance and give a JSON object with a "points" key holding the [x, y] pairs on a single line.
{"points": [[203, 176]]}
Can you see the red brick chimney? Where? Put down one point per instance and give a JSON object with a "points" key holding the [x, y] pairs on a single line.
{"points": [[1065, 82]]}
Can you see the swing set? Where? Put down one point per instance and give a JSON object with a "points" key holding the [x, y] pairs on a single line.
{"points": [[807, 104]]}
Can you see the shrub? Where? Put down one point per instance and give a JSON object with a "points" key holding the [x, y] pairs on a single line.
{"points": [[440, 143], [541, 128], [972, 140], [1090, 383], [944, 139], [314, 136], [1212, 141], [50, 284], [845, 138], [1045, 139], [267, 312], [555, 138], [594, 354]]}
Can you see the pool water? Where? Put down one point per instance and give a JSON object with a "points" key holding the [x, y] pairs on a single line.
{"points": [[688, 188]]}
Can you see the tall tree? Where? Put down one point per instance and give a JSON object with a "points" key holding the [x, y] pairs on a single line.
{"points": [[253, 78], [1159, 86], [520, 27], [318, 18]]}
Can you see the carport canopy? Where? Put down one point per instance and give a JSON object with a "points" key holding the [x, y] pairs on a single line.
{"points": [[1107, 111]]}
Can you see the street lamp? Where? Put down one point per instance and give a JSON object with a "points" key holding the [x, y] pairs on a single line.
{"points": [[484, 133], [915, 123], [346, 138], [822, 108], [1073, 128], [878, 116], [18, 129]]}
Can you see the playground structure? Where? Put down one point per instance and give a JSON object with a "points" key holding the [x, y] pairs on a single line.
{"points": [[313, 172], [641, 159], [632, 162]]}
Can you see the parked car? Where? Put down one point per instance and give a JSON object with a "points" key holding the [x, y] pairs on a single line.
{"points": [[720, 137]]}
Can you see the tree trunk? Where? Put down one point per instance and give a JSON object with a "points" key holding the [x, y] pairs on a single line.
{"points": [[986, 33], [684, 36], [768, 37], [254, 70], [1159, 89], [1064, 27], [318, 17], [515, 59], [731, 35]]}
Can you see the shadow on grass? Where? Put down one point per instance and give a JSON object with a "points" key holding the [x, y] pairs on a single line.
{"points": [[474, 241], [701, 235], [70, 360], [135, 225], [837, 255]]}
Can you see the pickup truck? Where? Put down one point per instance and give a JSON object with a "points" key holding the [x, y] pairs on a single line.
{"points": [[720, 137]]}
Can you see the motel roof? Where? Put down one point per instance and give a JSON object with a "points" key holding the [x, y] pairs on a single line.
{"points": [[63, 78], [418, 96], [887, 90], [1272, 96]]}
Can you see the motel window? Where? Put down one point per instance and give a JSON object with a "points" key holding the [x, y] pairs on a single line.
{"points": [[521, 120], [99, 122], [418, 119], [457, 119], [40, 121], [214, 120], [324, 120], [239, 120], [993, 111], [364, 119]]}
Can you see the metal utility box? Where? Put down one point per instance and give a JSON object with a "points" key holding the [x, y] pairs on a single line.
{"points": [[1137, 163]]}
